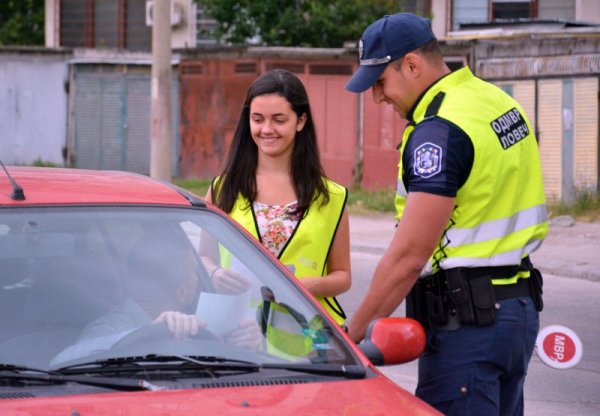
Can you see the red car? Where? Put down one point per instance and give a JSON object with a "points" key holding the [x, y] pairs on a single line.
{"points": [[120, 294]]}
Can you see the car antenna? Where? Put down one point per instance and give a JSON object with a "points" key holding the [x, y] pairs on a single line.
{"points": [[17, 194]]}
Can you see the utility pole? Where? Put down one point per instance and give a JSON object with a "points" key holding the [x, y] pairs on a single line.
{"points": [[161, 140]]}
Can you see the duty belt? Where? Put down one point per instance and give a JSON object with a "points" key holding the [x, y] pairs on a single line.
{"points": [[497, 272], [502, 291], [466, 296], [513, 290]]}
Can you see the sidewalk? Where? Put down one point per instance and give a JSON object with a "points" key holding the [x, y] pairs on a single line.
{"points": [[570, 250]]}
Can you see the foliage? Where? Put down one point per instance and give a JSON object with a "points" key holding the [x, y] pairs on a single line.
{"points": [[306, 23], [42, 163], [197, 187], [365, 202], [586, 206], [361, 201], [21, 22]]}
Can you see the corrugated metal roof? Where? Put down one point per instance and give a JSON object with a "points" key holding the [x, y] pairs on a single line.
{"points": [[539, 66], [512, 33]]}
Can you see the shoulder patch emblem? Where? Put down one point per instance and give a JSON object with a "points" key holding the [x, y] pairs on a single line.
{"points": [[427, 160]]}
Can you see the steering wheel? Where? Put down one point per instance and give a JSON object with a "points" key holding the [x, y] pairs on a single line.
{"points": [[152, 333]]}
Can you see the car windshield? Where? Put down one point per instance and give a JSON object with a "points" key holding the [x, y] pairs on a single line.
{"points": [[86, 284]]}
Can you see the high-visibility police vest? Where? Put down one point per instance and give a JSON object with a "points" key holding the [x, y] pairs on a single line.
{"points": [[500, 211], [309, 245]]}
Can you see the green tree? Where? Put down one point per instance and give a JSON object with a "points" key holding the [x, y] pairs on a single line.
{"points": [[308, 23], [21, 22]]}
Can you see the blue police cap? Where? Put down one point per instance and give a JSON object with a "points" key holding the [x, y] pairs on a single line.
{"points": [[386, 40]]}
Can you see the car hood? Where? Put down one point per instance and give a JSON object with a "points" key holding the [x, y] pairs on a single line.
{"points": [[376, 396]]}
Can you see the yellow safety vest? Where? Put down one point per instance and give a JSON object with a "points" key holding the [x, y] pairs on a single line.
{"points": [[307, 250], [500, 211], [310, 243]]}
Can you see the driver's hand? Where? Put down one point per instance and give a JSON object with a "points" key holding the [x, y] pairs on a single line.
{"points": [[246, 335], [228, 281], [181, 324]]}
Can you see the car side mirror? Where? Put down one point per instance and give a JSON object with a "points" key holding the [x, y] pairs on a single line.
{"points": [[390, 341]]}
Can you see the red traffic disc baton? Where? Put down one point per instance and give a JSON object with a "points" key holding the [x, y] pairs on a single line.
{"points": [[558, 347]]}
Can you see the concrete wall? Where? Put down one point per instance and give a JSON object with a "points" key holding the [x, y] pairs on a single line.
{"points": [[587, 10], [33, 106]]}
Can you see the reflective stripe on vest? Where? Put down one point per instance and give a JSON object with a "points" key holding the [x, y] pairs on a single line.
{"points": [[500, 211]]}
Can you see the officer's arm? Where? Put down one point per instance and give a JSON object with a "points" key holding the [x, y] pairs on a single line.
{"points": [[424, 219]]}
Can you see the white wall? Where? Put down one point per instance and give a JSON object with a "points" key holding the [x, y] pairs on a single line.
{"points": [[184, 34], [440, 18], [33, 107], [587, 10], [50, 18]]}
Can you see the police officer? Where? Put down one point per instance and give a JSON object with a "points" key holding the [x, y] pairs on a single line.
{"points": [[471, 208]]}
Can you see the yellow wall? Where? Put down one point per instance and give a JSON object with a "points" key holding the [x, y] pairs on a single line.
{"points": [[550, 135], [586, 133]]}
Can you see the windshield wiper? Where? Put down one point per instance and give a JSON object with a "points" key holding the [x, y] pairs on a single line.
{"points": [[132, 363], [19, 373], [210, 363], [340, 370], [22, 368]]}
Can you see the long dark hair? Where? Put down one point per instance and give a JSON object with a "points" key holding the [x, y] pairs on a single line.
{"points": [[239, 174]]}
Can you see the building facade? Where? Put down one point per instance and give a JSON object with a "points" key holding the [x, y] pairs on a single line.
{"points": [[549, 59]]}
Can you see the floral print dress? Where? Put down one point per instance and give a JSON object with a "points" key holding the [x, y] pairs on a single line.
{"points": [[276, 223]]}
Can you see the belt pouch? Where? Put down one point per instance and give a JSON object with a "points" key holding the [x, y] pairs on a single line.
{"points": [[482, 293], [536, 282], [436, 312], [459, 293]]}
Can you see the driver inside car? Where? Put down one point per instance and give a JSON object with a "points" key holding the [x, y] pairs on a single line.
{"points": [[161, 286]]}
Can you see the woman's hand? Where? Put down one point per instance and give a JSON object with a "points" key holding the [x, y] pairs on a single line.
{"points": [[246, 335], [228, 281]]}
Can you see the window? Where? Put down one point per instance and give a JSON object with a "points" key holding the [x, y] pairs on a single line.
{"points": [[206, 28], [465, 12], [514, 9], [104, 24], [420, 7]]}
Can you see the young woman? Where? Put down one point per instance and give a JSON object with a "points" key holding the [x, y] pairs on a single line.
{"points": [[274, 185]]}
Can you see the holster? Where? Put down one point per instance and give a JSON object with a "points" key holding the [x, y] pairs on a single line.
{"points": [[415, 304], [536, 282]]}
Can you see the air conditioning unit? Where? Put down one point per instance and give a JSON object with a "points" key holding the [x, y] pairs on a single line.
{"points": [[176, 13]]}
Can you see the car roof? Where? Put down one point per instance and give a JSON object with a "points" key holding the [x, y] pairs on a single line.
{"points": [[43, 186]]}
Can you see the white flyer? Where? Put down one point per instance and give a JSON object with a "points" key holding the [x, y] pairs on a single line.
{"points": [[222, 312]]}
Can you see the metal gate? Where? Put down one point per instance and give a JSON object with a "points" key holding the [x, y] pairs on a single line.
{"points": [[110, 122], [213, 91]]}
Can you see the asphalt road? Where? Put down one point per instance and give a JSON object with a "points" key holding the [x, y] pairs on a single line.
{"points": [[571, 300]]}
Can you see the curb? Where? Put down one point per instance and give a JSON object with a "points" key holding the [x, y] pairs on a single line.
{"points": [[361, 248], [564, 272]]}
